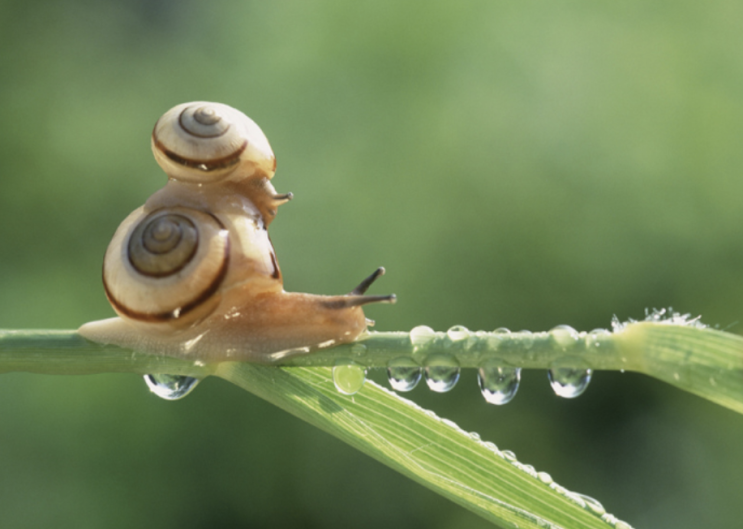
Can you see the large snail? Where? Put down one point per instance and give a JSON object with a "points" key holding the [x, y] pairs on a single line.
{"points": [[193, 273]]}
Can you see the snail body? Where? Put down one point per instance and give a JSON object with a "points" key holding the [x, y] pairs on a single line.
{"points": [[192, 273]]}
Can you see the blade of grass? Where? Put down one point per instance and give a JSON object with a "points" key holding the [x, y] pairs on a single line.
{"points": [[705, 362], [432, 451]]}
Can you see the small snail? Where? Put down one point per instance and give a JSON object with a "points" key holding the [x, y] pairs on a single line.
{"points": [[193, 273]]}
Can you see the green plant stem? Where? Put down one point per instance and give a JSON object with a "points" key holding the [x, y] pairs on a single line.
{"points": [[519, 349], [706, 362], [67, 353]]}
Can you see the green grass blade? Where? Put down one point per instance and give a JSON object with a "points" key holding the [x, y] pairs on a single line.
{"points": [[703, 361], [418, 444]]}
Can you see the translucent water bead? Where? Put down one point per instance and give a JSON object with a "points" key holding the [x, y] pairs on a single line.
{"points": [[442, 372], [592, 504], [458, 333], [564, 336], [593, 338], [403, 373], [569, 377], [498, 382], [422, 335], [171, 387], [348, 377], [497, 336]]}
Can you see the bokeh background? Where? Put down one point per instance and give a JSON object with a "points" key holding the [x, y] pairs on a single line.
{"points": [[520, 164]]}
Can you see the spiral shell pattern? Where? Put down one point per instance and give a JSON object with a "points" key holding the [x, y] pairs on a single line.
{"points": [[204, 142], [165, 264], [163, 244]]}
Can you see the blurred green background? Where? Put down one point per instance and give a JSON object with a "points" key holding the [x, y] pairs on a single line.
{"points": [[520, 164]]}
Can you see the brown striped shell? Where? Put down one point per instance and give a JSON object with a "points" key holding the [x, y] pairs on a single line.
{"points": [[163, 265], [205, 142]]}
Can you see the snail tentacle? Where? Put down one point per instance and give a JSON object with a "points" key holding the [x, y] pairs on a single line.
{"points": [[342, 302], [366, 283]]}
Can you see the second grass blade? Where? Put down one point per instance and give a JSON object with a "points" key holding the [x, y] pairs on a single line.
{"points": [[425, 448]]}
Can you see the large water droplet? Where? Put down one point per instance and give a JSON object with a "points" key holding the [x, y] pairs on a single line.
{"points": [[403, 373], [544, 477], [458, 333], [568, 377], [592, 504], [498, 382], [358, 349], [348, 377], [575, 498], [442, 372], [564, 336], [497, 336], [422, 335], [170, 387]]}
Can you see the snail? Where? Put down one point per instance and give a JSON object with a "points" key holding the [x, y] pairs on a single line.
{"points": [[193, 274]]}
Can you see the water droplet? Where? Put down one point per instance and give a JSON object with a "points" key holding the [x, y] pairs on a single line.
{"points": [[170, 387], [422, 335], [474, 436], [458, 333], [509, 455], [593, 338], [403, 373], [358, 349], [569, 377], [497, 336], [450, 424], [559, 488], [348, 377], [442, 372], [592, 504], [526, 339], [610, 519], [575, 498], [490, 446], [564, 336], [498, 383], [544, 477]]}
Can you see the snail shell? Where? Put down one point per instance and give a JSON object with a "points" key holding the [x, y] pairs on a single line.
{"points": [[163, 265], [206, 143], [193, 274]]}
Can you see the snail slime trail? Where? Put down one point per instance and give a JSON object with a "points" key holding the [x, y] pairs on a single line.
{"points": [[193, 274]]}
